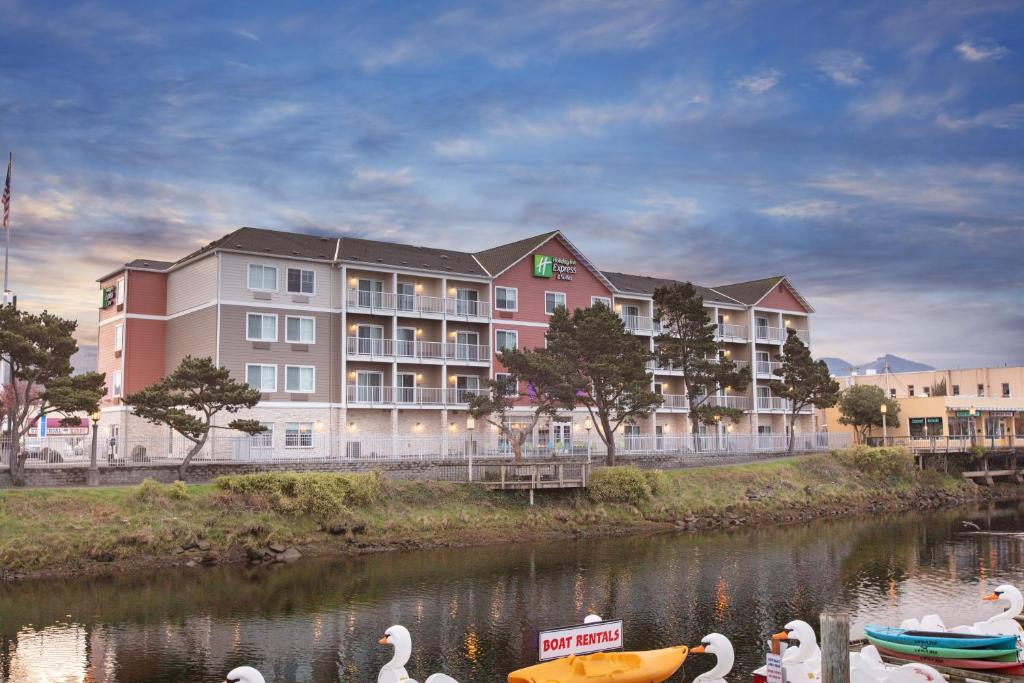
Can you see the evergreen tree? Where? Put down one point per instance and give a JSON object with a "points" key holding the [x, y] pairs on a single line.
{"points": [[861, 407], [805, 381]]}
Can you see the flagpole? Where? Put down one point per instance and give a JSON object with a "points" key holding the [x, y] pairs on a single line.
{"points": [[7, 230]]}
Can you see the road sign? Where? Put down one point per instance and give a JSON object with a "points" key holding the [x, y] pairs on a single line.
{"points": [[579, 640]]}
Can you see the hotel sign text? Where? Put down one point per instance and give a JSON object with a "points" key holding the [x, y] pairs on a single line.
{"points": [[554, 267]]}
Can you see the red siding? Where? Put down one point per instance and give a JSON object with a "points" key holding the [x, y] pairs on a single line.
{"points": [[147, 293], [106, 360], [783, 299], [144, 349]]}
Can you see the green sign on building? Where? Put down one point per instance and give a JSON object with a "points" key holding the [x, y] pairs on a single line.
{"points": [[543, 266]]}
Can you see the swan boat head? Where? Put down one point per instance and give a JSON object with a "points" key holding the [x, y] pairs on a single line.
{"points": [[803, 634], [245, 674], [1011, 595], [718, 645], [398, 637]]}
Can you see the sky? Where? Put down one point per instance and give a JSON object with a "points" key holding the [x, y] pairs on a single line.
{"points": [[871, 151]]}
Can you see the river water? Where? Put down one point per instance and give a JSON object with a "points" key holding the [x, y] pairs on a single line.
{"points": [[474, 613]]}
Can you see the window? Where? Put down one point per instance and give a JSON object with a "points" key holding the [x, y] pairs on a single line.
{"points": [[1006, 390], [892, 393], [956, 389], [262, 278], [299, 330], [506, 298], [261, 327], [506, 339], [261, 377], [512, 388], [553, 300], [601, 300], [924, 427], [120, 292], [264, 439], [927, 391], [118, 338], [298, 435], [910, 390], [300, 281], [299, 379], [981, 390], [115, 383]]}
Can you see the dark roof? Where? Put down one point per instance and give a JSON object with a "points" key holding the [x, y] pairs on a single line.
{"points": [[275, 242], [642, 284], [750, 292], [409, 256], [502, 256], [149, 264]]}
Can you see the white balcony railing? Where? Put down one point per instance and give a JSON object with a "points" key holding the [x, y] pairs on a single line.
{"points": [[804, 335], [732, 332], [767, 368], [394, 348], [638, 323], [674, 401], [471, 353], [416, 303], [394, 395], [461, 396], [740, 364], [769, 334], [738, 402], [772, 403]]}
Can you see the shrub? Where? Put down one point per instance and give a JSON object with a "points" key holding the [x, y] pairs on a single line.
{"points": [[178, 490], [618, 485], [977, 451], [150, 490], [887, 462], [320, 495], [659, 482]]}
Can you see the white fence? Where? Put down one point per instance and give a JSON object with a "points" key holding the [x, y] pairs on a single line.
{"points": [[278, 447]]}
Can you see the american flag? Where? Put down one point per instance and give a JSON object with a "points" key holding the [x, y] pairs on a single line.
{"points": [[7, 196]]}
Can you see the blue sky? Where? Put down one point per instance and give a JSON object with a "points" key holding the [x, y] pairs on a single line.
{"points": [[872, 151]]}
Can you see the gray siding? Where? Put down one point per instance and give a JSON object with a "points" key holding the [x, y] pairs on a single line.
{"points": [[192, 334]]}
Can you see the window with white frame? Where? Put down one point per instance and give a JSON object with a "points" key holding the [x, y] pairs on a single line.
{"points": [[118, 338], [299, 379], [298, 435], [264, 439], [261, 377], [301, 281], [115, 383], [508, 381], [506, 339], [262, 278], [120, 292], [261, 327], [601, 300], [506, 298], [553, 300], [299, 329]]}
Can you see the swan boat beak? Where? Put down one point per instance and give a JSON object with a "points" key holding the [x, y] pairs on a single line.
{"points": [[699, 650], [781, 635], [383, 641], [990, 597]]}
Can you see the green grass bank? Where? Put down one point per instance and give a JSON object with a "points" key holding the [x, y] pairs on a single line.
{"points": [[51, 532]]}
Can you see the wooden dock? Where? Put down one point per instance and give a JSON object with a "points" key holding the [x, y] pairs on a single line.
{"points": [[530, 476]]}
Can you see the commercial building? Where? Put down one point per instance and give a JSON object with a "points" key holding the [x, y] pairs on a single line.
{"points": [[973, 404], [352, 338]]}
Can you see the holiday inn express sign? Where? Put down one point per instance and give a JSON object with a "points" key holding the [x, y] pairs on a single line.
{"points": [[554, 267]]}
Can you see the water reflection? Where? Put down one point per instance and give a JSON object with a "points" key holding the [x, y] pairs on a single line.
{"points": [[474, 613]]}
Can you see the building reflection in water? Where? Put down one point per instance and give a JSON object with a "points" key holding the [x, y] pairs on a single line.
{"points": [[474, 613]]}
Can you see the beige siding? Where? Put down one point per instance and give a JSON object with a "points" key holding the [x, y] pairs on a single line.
{"points": [[192, 334], [235, 281], [236, 351], [192, 285]]}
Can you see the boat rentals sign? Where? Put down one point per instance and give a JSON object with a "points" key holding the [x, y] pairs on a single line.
{"points": [[579, 640]]}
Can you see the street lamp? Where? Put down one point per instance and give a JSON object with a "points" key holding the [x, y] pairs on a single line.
{"points": [[884, 409], [92, 477], [470, 425], [588, 424]]}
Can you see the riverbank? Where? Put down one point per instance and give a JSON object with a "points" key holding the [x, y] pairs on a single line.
{"points": [[274, 517]]}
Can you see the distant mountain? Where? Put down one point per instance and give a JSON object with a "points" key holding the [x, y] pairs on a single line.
{"points": [[841, 368], [84, 360]]}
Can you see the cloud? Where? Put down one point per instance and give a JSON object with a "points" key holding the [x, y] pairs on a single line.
{"points": [[246, 34], [372, 178], [842, 67], [981, 52], [760, 82], [397, 53], [1010, 117], [460, 148], [893, 100], [805, 208]]}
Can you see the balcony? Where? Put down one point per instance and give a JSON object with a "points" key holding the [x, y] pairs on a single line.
{"points": [[365, 348], [674, 402], [467, 353], [734, 333], [767, 368], [460, 397], [769, 335], [363, 301], [394, 396], [740, 364], [738, 402], [804, 335], [638, 323]]}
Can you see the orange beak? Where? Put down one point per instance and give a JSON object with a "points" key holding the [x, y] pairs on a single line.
{"points": [[383, 641], [990, 597], [697, 650], [781, 635]]}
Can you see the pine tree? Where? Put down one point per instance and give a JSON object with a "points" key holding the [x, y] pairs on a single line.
{"points": [[805, 381]]}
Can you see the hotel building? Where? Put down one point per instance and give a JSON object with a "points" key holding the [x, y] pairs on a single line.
{"points": [[349, 338]]}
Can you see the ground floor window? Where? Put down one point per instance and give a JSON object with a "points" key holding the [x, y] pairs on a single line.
{"points": [[264, 439], [298, 435], [925, 427], [960, 426]]}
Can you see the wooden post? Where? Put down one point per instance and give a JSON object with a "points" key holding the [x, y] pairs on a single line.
{"points": [[835, 648]]}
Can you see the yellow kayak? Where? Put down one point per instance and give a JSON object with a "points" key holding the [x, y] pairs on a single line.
{"points": [[647, 666]]}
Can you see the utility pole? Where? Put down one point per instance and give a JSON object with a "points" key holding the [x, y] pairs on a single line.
{"points": [[885, 406]]}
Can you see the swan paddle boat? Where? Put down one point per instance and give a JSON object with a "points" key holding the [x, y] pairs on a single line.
{"points": [[1004, 623], [867, 666], [245, 674], [720, 646], [802, 664], [646, 666], [394, 670]]}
